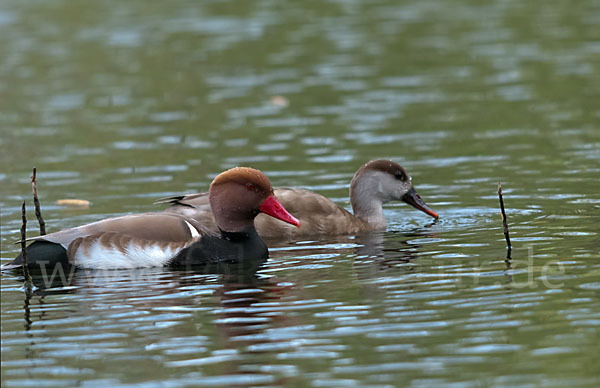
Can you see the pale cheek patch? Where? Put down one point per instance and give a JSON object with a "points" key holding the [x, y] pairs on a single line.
{"points": [[134, 255]]}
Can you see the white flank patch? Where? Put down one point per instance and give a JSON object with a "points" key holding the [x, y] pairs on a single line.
{"points": [[193, 230], [134, 256]]}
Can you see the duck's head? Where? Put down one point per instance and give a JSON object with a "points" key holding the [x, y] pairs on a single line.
{"points": [[385, 181], [237, 195]]}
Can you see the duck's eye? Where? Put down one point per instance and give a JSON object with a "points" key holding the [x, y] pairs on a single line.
{"points": [[400, 176], [250, 186]]}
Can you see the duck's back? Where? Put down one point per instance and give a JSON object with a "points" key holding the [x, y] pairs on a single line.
{"points": [[318, 215]]}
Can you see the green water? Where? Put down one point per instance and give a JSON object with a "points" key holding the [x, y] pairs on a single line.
{"points": [[122, 103]]}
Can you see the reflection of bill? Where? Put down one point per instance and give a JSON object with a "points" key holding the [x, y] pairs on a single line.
{"points": [[387, 251]]}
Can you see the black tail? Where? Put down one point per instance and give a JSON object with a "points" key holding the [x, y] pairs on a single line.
{"points": [[41, 254]]}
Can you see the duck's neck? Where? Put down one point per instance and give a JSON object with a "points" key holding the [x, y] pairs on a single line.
{"points": [[248, 232], [367, 202]]}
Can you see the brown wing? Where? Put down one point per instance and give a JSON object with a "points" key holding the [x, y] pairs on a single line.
{"points": [[146, 226]]}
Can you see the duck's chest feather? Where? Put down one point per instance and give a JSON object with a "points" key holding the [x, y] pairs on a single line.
{"points": [[229, 247]]}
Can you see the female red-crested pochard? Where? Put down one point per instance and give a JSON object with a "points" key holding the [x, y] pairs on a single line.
{"points": [[375, 183], [236, 197]]}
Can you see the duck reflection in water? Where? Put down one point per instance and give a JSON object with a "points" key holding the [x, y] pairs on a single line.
{"points": [[246, 306], [230, 297]]}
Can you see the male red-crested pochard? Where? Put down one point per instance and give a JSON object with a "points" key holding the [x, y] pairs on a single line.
{"points": [[375, 183], [236, 197]]}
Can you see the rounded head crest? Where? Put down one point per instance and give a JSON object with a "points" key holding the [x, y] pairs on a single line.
{"points": [[245, 176], [386, 166]]}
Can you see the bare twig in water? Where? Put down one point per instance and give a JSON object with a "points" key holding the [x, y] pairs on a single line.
{"points": [[504, 221], [36, 204], [508, 268], [24, 244]]}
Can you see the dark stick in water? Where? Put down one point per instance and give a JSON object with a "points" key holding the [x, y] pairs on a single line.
{"points": [[24, 244], [504, 220], [36, 204]]}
